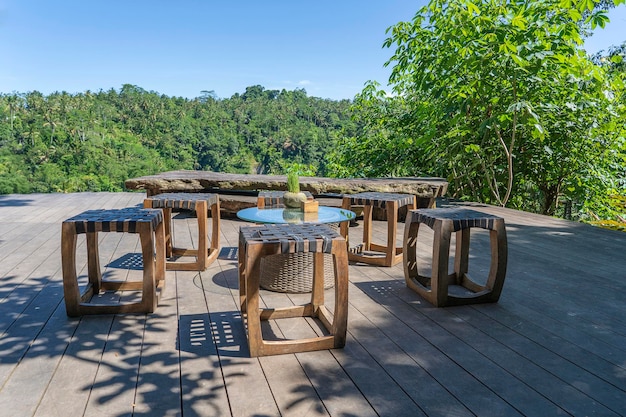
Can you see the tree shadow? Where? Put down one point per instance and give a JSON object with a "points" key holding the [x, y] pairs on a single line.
{"points": [[11, 201], [120, 360]]}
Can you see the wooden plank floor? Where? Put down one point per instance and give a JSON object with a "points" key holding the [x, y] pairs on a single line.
{"points": [[555, 343]]}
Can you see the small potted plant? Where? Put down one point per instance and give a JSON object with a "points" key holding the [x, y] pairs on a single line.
{"points": [[293, 198]]}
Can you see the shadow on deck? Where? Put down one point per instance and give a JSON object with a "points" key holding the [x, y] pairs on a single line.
{"points": [[555, 343]]}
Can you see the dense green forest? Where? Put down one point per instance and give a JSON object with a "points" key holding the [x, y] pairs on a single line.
{"points": [[498, 97], [96, 140], [502, 100]]}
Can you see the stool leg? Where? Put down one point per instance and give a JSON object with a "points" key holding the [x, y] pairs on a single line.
{"points": [[68, 261], [340, 319], [159, 235], [461, 255], [202, 257], [409, 250], [252, 274], [343, 226], [93, 262], [317, 294], [169, 244], [367, 227], [241, 261], [392, 228], [215, 231], [499, 253], [441, 255], [148, 297], [413, 279]]}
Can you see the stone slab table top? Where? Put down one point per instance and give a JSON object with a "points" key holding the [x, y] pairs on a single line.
{"points": [[207, 181]]}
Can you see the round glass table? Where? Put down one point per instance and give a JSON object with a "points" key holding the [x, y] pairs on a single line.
{"points": [[296, 216]]}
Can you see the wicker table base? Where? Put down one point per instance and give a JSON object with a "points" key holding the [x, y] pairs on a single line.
{"points": [[293, 272]]}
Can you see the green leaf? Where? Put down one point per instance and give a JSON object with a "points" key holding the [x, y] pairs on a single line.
{"points": [[519, 21], [574, 14], [598, 19], [539, 128], [586, 5], [472, 8]]}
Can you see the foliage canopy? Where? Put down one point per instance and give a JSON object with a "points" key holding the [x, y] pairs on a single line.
{"points": [[95, 141], [501, 99]]}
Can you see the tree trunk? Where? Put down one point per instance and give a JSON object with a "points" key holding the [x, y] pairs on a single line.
{"points": [[550, 195]]}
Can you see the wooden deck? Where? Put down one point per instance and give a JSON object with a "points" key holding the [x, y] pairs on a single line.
{"points": [[555, 343]]}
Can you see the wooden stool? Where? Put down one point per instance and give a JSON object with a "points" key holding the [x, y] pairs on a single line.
{"points": [[201, 203], [257, 242], [444, 222], [391, 203], [149, 225], [274, 199]]}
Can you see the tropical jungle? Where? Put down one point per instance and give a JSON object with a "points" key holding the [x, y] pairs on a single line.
{"points": [[498, 97]]}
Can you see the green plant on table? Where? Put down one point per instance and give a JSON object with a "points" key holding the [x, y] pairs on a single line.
{"points": [[293, 182], [293, 198]]}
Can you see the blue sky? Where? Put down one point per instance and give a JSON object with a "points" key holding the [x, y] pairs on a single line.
{"points": [[329, 48]]}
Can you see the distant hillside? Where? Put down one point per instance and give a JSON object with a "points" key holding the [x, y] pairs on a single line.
{"points": [[94, 141]]}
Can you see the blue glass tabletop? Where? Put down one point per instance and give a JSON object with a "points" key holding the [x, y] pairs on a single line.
{"points": [[283, 215]]}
